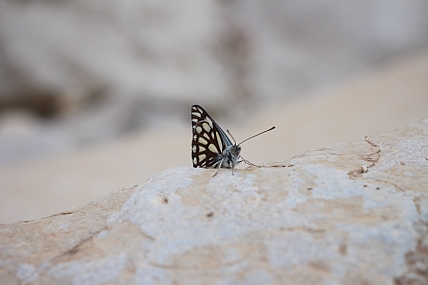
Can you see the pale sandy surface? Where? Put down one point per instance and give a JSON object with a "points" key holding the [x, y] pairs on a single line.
{"points": [[376, 102]]}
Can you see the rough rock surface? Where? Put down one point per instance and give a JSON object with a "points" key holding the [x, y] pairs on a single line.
{"points": [[351, 213]]}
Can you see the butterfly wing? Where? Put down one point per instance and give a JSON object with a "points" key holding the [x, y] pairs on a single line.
{"points": [[208, 141]]}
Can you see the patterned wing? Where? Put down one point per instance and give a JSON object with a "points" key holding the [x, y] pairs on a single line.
{"points": [[208, 141]]}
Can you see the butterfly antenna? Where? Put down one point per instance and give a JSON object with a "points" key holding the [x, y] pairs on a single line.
{"points": [[256, 135], [231, 136]]}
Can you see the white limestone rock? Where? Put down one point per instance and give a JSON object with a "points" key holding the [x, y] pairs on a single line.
{"points": [[351, 213]]}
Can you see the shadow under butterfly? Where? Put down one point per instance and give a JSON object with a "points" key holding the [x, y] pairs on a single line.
{"points": [[211, 147]]}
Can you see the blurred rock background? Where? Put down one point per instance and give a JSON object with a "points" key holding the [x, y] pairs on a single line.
{"points": [[96, 95]]}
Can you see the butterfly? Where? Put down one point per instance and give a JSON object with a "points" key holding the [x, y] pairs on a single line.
{"points": [[211, 147]]}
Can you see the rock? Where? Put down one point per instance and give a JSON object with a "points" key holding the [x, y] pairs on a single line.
{"points": [[351, 213]]}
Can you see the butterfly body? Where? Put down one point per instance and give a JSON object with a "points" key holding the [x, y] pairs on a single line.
{"points": [[230, 156], [211, 147]]}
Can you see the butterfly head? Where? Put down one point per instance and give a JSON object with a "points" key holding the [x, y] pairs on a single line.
{"points": [[235, 150]]}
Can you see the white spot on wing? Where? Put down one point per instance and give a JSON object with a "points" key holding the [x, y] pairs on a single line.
{"points": [[202, 157], [201, 148], [220, 143], [206, 127], [207, 136], [195, 161], [212, 148], [198, 129], [194, 148], [209, 121], [196, 114], [202, 141]]}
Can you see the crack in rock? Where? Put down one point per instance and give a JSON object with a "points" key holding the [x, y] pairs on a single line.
{"points": [[372, 158], [376, 154], [75, 249]]}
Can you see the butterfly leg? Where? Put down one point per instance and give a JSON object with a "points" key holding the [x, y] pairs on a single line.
{"points": [[249, 163], [218, 168]]}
